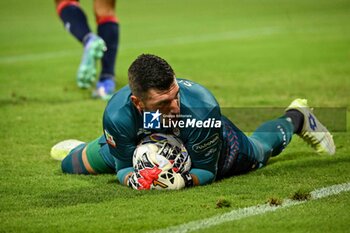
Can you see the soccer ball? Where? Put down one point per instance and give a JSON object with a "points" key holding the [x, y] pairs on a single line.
{"points": [[163, 151]]}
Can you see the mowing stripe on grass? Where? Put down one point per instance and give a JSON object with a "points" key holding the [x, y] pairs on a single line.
{"points": [[230, 35], [190, 39], [35, 56], [252, 211]]}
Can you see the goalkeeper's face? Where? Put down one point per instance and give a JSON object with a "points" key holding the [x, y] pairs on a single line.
{"points": [[166, 101]]}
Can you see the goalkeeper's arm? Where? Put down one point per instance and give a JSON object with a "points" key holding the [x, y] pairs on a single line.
{"points": [[202, 176]]}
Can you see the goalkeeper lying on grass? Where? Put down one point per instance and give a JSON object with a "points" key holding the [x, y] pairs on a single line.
{"points": [[217, 148]]}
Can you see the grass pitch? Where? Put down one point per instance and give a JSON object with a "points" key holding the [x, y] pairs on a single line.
{"points": [[248, 53]]}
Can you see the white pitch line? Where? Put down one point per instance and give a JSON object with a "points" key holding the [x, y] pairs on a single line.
{"points": [[251, 211], [221, 36], [34, 56]]}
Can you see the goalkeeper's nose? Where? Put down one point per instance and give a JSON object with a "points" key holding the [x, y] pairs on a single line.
{"points": [[175, 107]]}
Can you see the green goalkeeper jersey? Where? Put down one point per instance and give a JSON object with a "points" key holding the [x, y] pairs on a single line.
{"points": [[199, 127]]}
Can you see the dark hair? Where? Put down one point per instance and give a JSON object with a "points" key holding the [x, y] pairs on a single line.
{"points": [[149, 71]]}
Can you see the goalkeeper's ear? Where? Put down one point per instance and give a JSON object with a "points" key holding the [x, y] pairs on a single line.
{"points": [[137, 103]]}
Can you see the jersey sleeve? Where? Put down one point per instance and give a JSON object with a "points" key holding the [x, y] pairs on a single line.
{"points": [[121, 145]]}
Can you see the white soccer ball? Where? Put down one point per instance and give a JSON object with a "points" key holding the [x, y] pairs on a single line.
{"points": [[164, 151]]}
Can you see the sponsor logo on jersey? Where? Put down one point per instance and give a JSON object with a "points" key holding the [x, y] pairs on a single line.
{"points": [[206, 143]]}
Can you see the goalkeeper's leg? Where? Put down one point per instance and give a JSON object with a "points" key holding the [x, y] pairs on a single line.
{"points": [[270, 139], [242, 154], [87, 159], [273, 136]]}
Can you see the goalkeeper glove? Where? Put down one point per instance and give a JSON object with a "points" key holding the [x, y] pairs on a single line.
{"points": [[157, 179], [144, 178]]}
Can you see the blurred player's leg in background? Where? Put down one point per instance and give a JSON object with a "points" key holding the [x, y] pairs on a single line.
{"points": [[73, 17], [76, 23], [108, 30]]}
